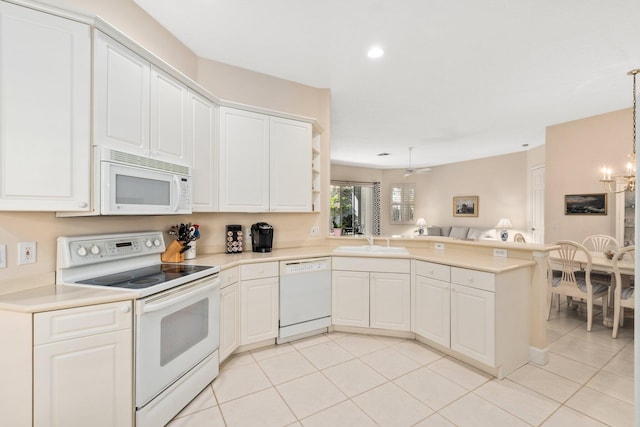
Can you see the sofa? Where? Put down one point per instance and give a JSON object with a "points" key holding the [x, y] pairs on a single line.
{"points": [[463, 233]]}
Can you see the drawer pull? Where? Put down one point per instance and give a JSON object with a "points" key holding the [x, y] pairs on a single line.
{"points": [[125, 309]]}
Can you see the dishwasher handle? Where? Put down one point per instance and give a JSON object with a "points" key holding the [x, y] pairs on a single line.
{"points": [[304, 266]]}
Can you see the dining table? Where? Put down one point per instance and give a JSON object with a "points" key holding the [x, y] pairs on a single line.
{"points": [[600, 262]]}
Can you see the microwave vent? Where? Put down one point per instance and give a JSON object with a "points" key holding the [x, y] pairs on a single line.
{"points": [[146, 162]]}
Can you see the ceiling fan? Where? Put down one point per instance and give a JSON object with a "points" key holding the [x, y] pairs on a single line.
{"points": [[410, 170]]}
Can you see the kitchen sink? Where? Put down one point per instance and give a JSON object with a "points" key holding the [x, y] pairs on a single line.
{"points": [[371, 249]]}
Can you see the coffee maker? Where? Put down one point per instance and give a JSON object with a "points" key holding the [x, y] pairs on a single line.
{"points": [[261, 237]]}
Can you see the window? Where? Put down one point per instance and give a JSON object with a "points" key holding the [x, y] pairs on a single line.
{"points": [[352, 207], [402, 203]]}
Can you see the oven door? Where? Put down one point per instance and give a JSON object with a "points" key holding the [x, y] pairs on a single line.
{"points": [[175, 330]]}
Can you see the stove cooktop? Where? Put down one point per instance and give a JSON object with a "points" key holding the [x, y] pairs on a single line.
{"points": [[145, 277]]}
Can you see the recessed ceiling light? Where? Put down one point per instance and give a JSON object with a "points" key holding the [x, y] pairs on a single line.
{"points": [[525, 145], [383, 154], [375, 52]]}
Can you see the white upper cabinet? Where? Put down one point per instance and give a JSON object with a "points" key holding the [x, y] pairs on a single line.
{"points": [[137, 107], [244, 161], [265, 163], [290, 165], [45, 77], [203, 136]]}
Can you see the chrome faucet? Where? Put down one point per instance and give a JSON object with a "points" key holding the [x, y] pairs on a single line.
{"points": [[369, 238]]}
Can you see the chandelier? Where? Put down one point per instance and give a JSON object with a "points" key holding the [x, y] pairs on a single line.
{"points": [[627, 182]]}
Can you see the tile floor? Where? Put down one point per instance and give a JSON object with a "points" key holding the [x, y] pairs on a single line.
{"points": [[340, 379]]}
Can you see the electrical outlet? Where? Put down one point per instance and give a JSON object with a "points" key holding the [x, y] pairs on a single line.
{"points": [[500, 252], [439, 246], [315, 230], [3, 256], [26, 253]]}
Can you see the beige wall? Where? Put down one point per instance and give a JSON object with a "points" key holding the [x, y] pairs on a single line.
{"points": [[226, 82], [575, 153]]}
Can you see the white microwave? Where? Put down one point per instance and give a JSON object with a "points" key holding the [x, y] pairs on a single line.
{"points": [[134, 185]]}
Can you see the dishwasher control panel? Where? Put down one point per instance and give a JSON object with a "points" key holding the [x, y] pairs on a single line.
{"points": [[304, 266]]}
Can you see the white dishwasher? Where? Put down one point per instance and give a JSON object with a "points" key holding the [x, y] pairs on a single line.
{"points": [[305, 298]]}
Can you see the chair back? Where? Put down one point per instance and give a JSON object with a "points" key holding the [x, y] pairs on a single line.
{"points": [[572, 255], [629, 254], [600, 243]]}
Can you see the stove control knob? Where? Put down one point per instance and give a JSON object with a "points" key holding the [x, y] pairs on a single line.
{"points": [[156, 242], [95, 250], [148, 243], [82, 251]]}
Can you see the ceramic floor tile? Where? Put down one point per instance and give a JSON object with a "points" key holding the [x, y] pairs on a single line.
{"points": [[473, 411], [389, 341], [390, 363], [239, 381], [359, 345], [460, 373], [517, 400], [419, 352], [343, 414], [210, 417], [310, 394], [430, 388], [308, 342], [567, 417], [435, 420], [613, 385], [326, 354], [602, 407], [271, 351], [264, 408], [620, 365], [354, 377], [545, 383], [204, 400], [389, 405], [595, 354], [238, 360], [569, 368], [602, 335], [285, 367]]}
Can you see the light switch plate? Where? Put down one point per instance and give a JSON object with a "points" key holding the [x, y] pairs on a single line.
{"points": [[500, 252], [439, 246]]}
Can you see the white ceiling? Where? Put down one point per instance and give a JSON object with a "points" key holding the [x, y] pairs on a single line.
{"points": [[459, 79]]}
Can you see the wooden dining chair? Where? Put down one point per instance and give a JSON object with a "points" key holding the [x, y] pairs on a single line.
{"points": [[622, 296], [574, 282], [597, 244]]}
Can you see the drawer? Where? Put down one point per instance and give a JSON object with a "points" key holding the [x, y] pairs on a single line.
{"points": [[433, 270], [473, 278], [229, 276], [259, 270], [60, 325], [376, 265]]}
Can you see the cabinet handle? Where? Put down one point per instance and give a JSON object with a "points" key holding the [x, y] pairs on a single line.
{"points": [[125, 309], [83, 205]]}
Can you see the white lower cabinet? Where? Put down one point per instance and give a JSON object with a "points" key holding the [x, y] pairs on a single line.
{"points": [[473, 323], [259, 312], [229, 312], [83, 366], [432, 310], [371, 293]]}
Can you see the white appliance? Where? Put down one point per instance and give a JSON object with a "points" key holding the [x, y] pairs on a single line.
{"points": [[129, 184], [305, 298], [177, 314]]}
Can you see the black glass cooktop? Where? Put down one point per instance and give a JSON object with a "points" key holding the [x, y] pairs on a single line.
{"points": [[145, 277]]}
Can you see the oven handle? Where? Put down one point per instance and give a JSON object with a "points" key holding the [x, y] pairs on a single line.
{"points": [[169, 300]]}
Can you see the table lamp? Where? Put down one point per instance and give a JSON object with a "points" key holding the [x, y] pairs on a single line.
{"points": [[504, 224]]}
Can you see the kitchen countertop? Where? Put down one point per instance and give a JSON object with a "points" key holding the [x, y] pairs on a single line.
{"points": [[56, 297]]}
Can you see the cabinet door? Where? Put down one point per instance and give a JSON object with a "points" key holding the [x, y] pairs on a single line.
{"points": [[84, 381], [169, 119], [244, 161], [45, 89], [120, 97], [229, 320], [390, 301], [290, 165], [204, 140], [350, 298], [473, 323], [259, 310], [432, 310]]}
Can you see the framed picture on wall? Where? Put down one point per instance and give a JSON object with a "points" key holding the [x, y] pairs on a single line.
{"points": [[465, 206], [585, 204]]}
